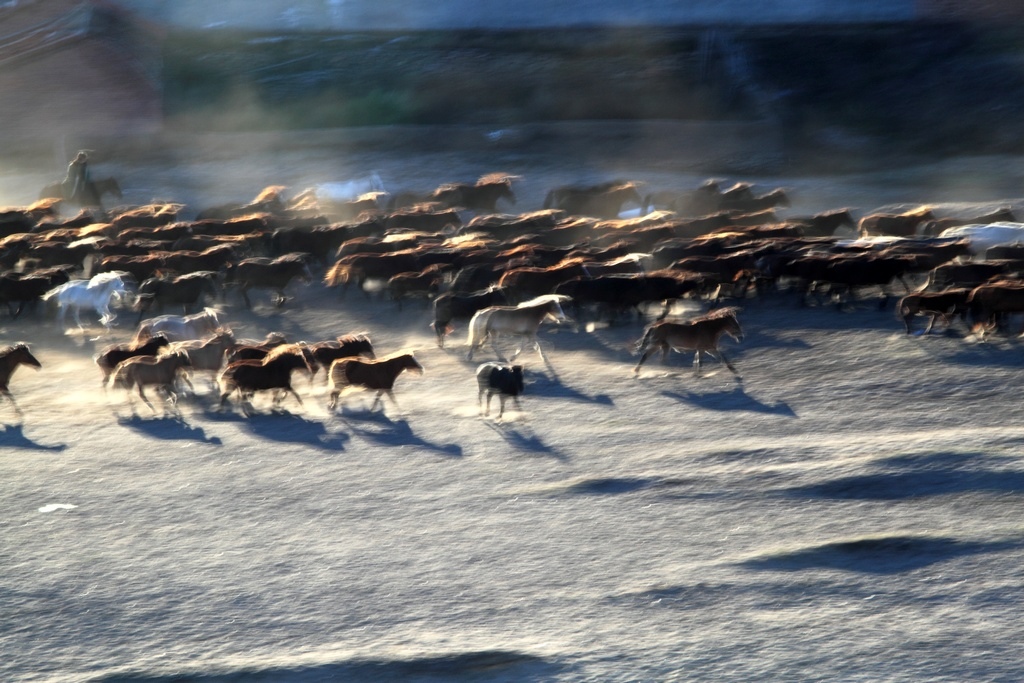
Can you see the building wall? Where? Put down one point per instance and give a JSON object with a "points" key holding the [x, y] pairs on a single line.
{"points": [[81, 88]]}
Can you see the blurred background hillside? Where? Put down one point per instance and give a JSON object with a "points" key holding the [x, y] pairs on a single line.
{"points": [[850, 80]]}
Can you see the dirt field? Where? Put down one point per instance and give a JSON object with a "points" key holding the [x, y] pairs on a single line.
{"points": [[849, 510]]}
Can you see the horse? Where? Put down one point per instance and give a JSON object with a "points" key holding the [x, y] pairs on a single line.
{"points": [[183, 290], [346, 346], [272, 373], [27, 288], [98, 293], [450, 305], [522, 320], [10, 358], [700, 335], [482, 196], [943, 305], [161, 372], [503, 380], [206, 355], [92, 193], [179, 327], [109, 358], [602, 201], [268, 273], [379, 375]]}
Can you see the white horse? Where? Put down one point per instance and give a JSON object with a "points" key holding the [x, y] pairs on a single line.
{"points": [[982, 237], [522, 320], [180, 327], [98, 293]]}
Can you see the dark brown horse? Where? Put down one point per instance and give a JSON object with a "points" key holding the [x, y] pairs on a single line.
{"points": [[482, 196], [182, 290], [700, 335], [10, 358], [268, 273], [346, 346], [602, 201], [112, 355], [272, 373], [375, 375]]}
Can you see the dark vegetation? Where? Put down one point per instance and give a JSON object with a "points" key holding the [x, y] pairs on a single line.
{"points": [[922, 87]]}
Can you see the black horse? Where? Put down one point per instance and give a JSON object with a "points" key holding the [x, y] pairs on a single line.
{"points": [[449, 306], [179, 290]]}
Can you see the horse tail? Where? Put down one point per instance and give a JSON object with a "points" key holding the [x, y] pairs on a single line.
{"points": [[478, 329], [122, 378], [644, 341], [338, 274]]}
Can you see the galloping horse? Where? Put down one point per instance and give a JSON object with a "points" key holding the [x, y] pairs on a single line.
{"points": [[161, 372], [700, 335], [97, 293], [10, 358], [272, 373], [369, 374], [179, 327], [481, 197], [268, 273], [601, 201], [522, 320]]}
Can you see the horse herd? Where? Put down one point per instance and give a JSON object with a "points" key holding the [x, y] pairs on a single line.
{"points": [[501, 274]]}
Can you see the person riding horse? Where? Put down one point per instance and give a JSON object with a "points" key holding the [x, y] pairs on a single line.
{"points": [[76, 184]]}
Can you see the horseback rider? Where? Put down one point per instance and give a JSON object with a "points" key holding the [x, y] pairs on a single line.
{"points": [[76, 183]]}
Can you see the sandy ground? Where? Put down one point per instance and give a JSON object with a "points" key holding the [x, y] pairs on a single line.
{"points": [[848, 510]]}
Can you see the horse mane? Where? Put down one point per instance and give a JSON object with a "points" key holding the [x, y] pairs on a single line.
{"points": [[271, 193], [496, 179], [285, 350], [13, 347], [726, 312], [354, 337], [545, 298]]}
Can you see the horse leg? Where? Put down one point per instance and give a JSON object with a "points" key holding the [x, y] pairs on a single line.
{"points": [[721, 356], [643, 358], [142, 394], [536, 345], [501, 405], [6, 392], [697, 363], [931, 323], [332, 400], [289, 390], [391, 395], [376, 400]]}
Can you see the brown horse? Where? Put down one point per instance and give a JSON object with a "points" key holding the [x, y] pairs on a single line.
{"points": [[272, 373], [379, 375], [111, 356], [161, 372], [700, 335], [10, 358]]}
